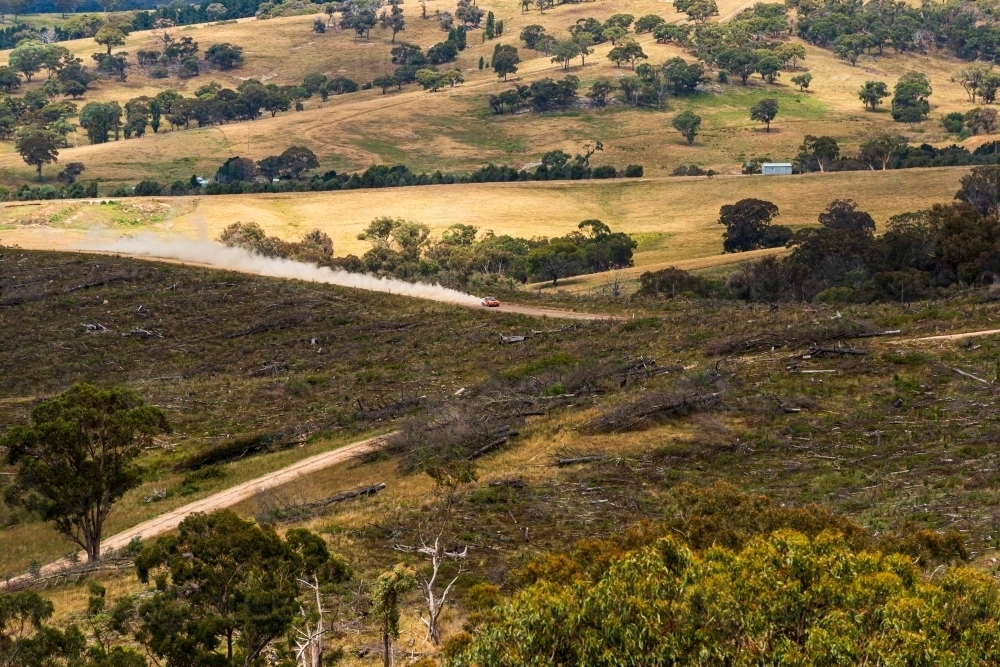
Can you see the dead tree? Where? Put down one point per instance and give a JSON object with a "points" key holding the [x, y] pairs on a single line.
{"points": [[309, 643], [435, 603]]}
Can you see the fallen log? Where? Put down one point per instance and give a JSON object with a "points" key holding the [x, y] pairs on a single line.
{"points": [[493, 444], [510, 482], [816, 350], [971, 376], [299, 512], [580, 459], [347, 495], [871, 334]]}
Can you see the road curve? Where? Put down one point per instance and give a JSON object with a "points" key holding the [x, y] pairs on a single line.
{"points": [[168, 521], [532, 311]]}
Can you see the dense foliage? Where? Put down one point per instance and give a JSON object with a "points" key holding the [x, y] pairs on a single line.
{"points": [[163, 16], [921, 254], [78, 458], [781, 599], [404, 249]]}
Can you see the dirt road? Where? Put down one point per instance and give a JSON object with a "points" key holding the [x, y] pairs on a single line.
{"points": [[166, 522], [958, 336], [471, 302]]}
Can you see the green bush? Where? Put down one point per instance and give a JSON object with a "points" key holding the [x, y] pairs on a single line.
{"points": [[954, 122], [783, 599]]}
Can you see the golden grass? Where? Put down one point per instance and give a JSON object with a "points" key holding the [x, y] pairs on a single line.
{"points": [[457, 131], [675, 218]]}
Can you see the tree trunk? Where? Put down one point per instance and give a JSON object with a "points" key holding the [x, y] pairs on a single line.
{"points": [[387, 657], [91, 534]]}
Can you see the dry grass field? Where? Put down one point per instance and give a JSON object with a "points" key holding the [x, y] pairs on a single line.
{"points": [[458, 132], [673, 219]]}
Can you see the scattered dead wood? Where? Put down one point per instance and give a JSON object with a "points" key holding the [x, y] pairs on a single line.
{"points": [[389, 326], [72, 573], [454, 432], [644, 366], [591, 458], [509, 482], [792, 406], [512, 339], [393, 409], [240, 447], [836, 329], [125, 275], [142, 333], [500, 436], [306, 510], [871, 334], [819, 350], [271, 325], [650, 407], [973, 377], [94, 328], [273, 368]]}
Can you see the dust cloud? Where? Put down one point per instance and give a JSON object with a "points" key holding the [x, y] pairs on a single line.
{"points": [[210, 253]]}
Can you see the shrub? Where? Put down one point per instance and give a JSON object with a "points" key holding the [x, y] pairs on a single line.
{"points": [[692, 170], [341, 84], [672, 281], [159, 72], [188, 68], [225, 55], [633, 171], [954, 122], [604, 171], [148, 188]]}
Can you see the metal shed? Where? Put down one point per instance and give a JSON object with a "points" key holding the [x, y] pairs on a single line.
{"points": [[776, 168]]}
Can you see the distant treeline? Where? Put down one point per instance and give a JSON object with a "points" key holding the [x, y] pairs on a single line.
{"points": [[282, 173], [881, 152], [9, 37], [174, 14], [923, 254], [242, 176]]}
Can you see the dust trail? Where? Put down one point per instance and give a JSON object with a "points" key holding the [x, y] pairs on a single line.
{"points": [[237, 259]]}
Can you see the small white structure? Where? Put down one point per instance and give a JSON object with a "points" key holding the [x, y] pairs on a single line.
{"points": [[776, 168]]}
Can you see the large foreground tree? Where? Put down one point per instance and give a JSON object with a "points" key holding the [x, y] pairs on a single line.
{"points": [[78, 457], [226, 588]]}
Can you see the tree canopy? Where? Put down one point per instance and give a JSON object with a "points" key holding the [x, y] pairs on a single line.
{"points": [[748, 226], [230, 584], [78, 457], [784, 598]]}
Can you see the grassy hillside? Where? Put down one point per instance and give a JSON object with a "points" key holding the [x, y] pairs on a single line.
{"points": [[458, 132], [672, 219], [895, 439]]}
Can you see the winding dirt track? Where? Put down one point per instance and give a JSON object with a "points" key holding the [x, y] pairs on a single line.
{"points": [[532, 311], [166, 522], [237, 494]]}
